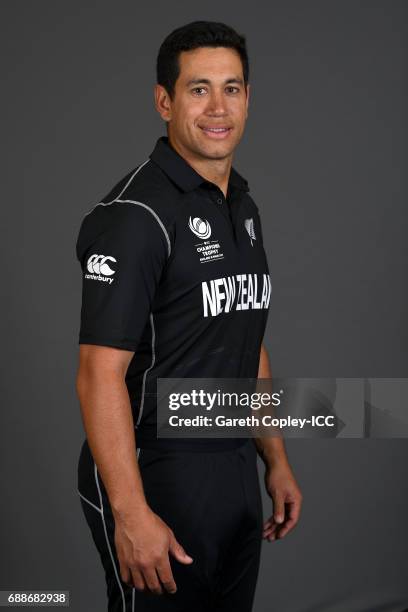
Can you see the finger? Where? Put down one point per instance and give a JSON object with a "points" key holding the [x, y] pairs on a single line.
{"points": [[137, 580], [166, 576], [289, 525], [178, 551], [125, 573], [279, 509], [270, 525], [272, 532], [294, 510], [269, 532], [269, 522], [270, 528], [272, 536], [293, 515], [152, 580]]}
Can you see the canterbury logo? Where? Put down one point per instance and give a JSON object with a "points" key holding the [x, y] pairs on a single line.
{"points": [[96, 264], [249, 226], [200, 227]]}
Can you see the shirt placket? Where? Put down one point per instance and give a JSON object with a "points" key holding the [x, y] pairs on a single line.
{"points": [[230, 210]]}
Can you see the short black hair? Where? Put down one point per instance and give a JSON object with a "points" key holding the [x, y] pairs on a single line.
{"points": [[192, 36]]}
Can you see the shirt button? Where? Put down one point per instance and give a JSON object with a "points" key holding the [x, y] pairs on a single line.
{"points": [[219, 200]]}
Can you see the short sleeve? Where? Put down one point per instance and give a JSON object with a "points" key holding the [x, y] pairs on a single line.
{"points": [[122, 249]]}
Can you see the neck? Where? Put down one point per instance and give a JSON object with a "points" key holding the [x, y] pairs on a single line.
{"points": [[216, 171]]}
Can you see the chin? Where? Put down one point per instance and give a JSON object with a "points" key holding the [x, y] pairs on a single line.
{"points": [[217, 151]]}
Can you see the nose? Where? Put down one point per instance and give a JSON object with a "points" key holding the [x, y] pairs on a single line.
{"points": [[216, 103]]}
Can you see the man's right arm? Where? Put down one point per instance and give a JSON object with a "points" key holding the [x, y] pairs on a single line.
{"points": [[113, 317], [142, 540]]}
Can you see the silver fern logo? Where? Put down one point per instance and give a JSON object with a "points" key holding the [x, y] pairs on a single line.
{"points": [[200, 227], [249, 226]]}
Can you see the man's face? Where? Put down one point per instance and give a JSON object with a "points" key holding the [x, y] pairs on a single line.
{"points": [[208, 113]]}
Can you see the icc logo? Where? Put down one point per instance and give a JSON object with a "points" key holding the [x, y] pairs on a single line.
{"points": [[200, 227], [96, 264]]}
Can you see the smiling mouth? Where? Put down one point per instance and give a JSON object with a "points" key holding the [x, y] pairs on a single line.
{"points": [[216, 130], [216, 133]]}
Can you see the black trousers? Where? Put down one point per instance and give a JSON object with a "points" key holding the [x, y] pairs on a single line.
{"points": [[212, 502]]}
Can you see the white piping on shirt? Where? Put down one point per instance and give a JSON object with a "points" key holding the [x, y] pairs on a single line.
{"points": [[123, 190], [146, 371], [107, 539], [100, 510], [88, 501], [159, 221], [130, 180]]}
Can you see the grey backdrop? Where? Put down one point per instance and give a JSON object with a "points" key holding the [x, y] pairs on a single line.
{"points": [[325, 154]]}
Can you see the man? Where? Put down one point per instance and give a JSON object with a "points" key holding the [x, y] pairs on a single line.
{"points": [[178, 523]]}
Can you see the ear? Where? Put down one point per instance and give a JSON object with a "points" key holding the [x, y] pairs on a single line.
{"points": [[162, 102], [247, 98]]}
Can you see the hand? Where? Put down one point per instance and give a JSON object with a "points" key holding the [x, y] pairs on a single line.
{"points": [[143, 542], [281, 485]]}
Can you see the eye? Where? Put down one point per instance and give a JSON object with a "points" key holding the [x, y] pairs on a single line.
{"points": [[232, 87], [197, 89]]}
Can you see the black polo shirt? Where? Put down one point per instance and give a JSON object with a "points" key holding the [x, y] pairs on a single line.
{"points": [[177, 273]]}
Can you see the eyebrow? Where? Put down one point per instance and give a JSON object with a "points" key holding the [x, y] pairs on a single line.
{"points": [[207, 81]]}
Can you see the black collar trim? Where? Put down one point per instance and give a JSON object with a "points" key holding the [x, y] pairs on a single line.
{"points": [[180, 171]]}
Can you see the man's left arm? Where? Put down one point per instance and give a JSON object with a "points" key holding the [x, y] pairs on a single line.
{"points": [[280, 481]]}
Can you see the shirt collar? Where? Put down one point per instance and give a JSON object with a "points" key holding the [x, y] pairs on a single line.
{"points": [[180, 171]]}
